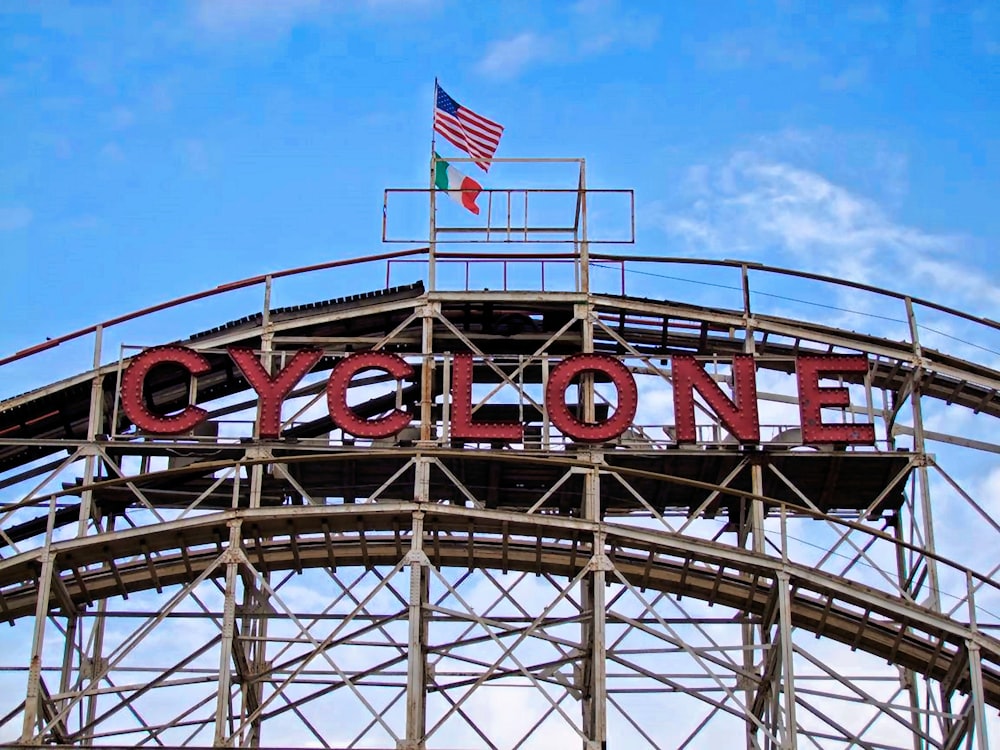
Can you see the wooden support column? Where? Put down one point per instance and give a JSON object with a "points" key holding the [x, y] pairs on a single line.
{"points": [[593, 679], [751, 535], [222, 705], [789, 737], [32, 693], [251, 657], [416, 657]]}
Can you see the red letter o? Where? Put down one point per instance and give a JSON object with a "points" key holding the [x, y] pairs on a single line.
{"points": [[566, 422]]}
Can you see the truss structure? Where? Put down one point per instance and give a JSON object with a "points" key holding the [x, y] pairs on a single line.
{"points": [[317, 589]]}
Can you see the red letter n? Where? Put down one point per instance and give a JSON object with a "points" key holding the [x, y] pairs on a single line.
{"points": [[738, 415]]}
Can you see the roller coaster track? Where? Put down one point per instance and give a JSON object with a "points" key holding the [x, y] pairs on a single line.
{"points": [[643, 552]]}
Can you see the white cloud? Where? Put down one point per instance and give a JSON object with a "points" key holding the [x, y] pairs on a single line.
{"points": [[870, 13], [159, 98], [120, 118], [605, 25], [83, 222], [753, 47], [851, 77], [762, 208], [226, 16], [951, 276], [508, 57], [111, 151], [15, 217], [194, 155], [593, 27], [58, 143], [989, 492], [399, 4], [276, 17]]}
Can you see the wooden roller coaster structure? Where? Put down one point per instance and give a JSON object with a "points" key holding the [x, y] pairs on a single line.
{"points": [[427, 589]]}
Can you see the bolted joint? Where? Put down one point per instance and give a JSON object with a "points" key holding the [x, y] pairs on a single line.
{"points": [[600, 563], [905, 677], [416, 557], [93, 667], [257, 452]]}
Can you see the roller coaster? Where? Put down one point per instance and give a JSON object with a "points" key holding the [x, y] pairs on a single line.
{"points": [[457, 555]]}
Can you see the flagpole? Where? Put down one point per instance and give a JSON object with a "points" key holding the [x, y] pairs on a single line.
{"points": [[432, 238]]}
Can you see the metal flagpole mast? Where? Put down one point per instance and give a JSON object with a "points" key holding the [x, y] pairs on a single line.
{"points": [[432, 239], [416, 652]]}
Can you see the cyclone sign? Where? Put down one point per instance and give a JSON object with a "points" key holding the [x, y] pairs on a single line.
{"points": [[738, 413]]}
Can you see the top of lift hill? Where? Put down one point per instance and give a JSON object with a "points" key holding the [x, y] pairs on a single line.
{"points": [[557, 208]]}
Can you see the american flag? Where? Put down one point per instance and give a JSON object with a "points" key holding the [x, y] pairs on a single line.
{"points": [[474, 134]]}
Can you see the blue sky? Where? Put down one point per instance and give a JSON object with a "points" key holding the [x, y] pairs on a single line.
{"points": [[154, 149], [149, 150]]}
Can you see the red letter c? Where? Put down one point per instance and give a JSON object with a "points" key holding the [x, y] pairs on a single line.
{"points": [[340, 380], [133, 383]]}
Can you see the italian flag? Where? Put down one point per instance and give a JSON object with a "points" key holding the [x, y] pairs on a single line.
{"points": [[463, 190]]}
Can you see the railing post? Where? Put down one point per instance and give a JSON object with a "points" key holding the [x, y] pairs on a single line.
{"points": [[919, 446], [584, 244]]}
